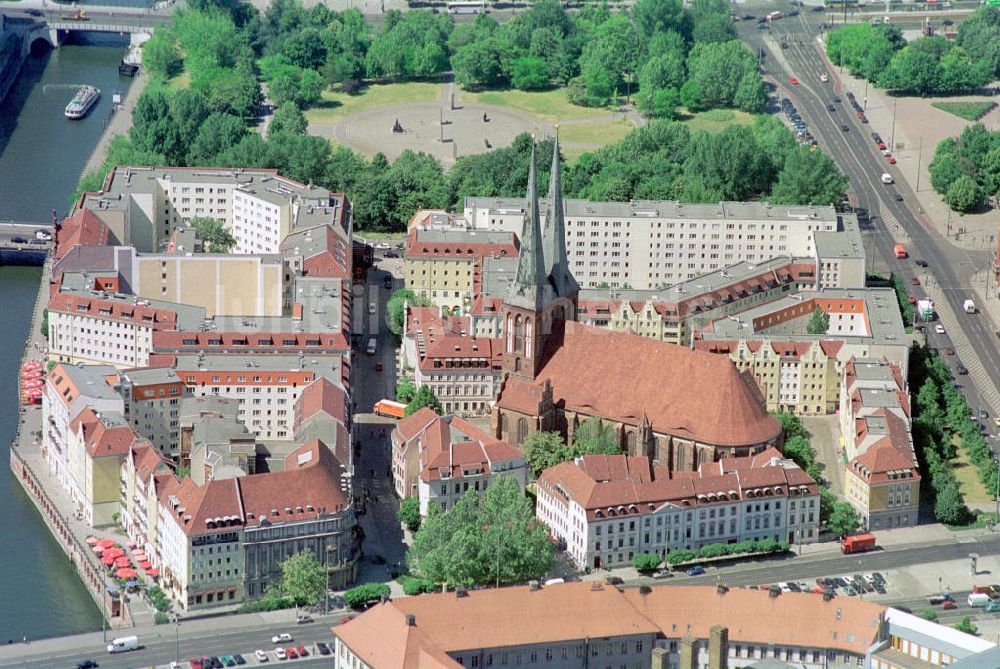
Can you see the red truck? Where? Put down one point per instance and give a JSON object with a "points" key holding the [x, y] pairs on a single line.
{"points": [[858, 543]]}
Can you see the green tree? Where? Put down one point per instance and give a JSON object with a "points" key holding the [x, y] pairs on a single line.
{"points": [[303, 578], [657, 16], [843, 519], [395, 306], [530, 73], [219, 132], [593, 436], [311, 86], [283, 89], [791, 425], [424, 397], [966, 625], [809, 177], [662, 103], [45, 323], [819, 322], [405, 390], [305, 48], [964, 194], [214, 234], [718, 69], [663, 70], [482, 539], [751, 95], [800, 450], [646, 561], [949, 506], [929, 614], [409, 513], [543, 450], [714, 28], [980, 34], [161, 54], [826, 501], [287, 119]]}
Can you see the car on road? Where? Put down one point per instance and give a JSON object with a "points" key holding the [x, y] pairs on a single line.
{"points": [[844, 128], [983, 415], [899, 198], [949, 351], [920, 263], [695, 571], [836, 98], [824, 78], [280, 653], [996, 421], [86, 664], [284, 637], [960, 368], [18, 240], [886, 152], [663, 573], [948, 604], [44, 235], [831, 108], [793, 81], [915, 281], [305, 618], [387, 282], [378, 368], [939, 328], [261, 655], [383, 246], [881, 145], [911, 298]]}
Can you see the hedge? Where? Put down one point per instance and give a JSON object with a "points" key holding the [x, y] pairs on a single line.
{"points": [[416, 586], [367, 592], [709, 551]]}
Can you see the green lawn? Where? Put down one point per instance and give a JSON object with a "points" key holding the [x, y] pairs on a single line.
{"points": [[599, 132], [572, 155], [716, 120], [336, 106], [550, 106], [181, 81], [968, 479], [970, 111]]}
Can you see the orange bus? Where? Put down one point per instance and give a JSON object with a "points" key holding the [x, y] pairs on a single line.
{"points": [[390, 409]]}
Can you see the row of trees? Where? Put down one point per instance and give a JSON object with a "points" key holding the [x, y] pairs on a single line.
{"points": [[966, 169], [926, 66], [933, 427], [710, 551], [839, 517]]}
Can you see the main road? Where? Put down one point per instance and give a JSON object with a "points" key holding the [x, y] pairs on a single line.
{"points": [[849, 143]]}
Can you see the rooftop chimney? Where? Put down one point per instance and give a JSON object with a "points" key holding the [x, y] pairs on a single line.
{"points": [[718, 647]]}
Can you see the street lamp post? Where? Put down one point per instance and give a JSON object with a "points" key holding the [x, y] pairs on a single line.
{"points": [[177, 638], [996, 461], [920, 154], [892, 137]]}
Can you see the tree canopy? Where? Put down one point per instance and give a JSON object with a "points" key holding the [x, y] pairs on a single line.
{"points": [[303, 579], [819, 322], [424, 397], [482, 539], [966, 169], [214, 234]]}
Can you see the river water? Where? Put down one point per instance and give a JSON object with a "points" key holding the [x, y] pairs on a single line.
{"points": [[41, 156]]}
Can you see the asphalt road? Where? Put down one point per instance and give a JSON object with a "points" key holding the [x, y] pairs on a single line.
{"points": [[131, 15], [189, 642], [856, 154]]}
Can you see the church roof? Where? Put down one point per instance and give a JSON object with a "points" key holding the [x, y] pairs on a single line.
{"points": [[689, 394]]}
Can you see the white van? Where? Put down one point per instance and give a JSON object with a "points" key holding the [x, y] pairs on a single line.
{"points": [[372, 346], [124, 643], [978, 600]]}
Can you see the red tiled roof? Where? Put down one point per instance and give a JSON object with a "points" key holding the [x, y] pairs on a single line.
{"points": [[322, 395], [83, 228], [457, 249], [414, 424], [455, 445], [96, 307], [688, 394], [164, 341], [100, 440]]}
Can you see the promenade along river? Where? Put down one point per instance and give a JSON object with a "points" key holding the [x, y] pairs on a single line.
{"points": [[41, 156]]}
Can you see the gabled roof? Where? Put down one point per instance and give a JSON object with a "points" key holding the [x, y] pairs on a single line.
{"points": [[453, 446], [689, 394], [414, 424], [83, 228], [382, 639], [104, 436]]}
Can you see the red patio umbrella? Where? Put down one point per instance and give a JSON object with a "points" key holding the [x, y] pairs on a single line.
{"points": [[33, 383], [137, 551], [113, 552], [153, 572], [106, 543], [123, 562], [32, 374], [31, 364], [125, 572], [107, 561], [145, 564], [91, 541], [130, 544]]}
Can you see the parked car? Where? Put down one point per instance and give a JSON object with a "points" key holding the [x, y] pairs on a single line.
{"points": [[695, 571], [915, 281], [260, 655], [911, 299], [240, 660], [939, 328], [831, 108], [280, 653], [960, 368], [949, 351], [292, 654], [322, 648], [301, 650], [892, 160]]}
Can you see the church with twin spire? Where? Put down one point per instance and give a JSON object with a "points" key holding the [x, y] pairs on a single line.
{"points": [[677, 406]]}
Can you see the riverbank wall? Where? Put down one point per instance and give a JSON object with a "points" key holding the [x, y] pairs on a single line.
{"points": [[27, 436], [12, 57]]}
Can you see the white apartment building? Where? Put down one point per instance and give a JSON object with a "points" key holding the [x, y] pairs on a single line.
{"points": [[143, 206], [139, 496], [152, 405], [607, 509], [69, 390], [649, 244]]}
